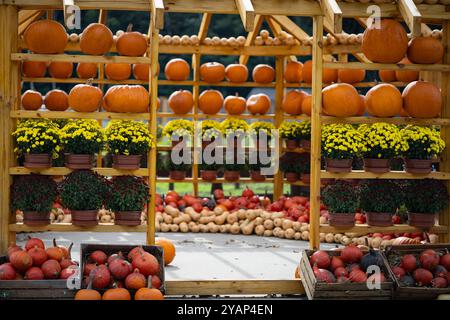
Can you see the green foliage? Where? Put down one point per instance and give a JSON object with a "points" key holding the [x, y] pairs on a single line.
{"points": [[82, 137], [380, 195], [290, 162], [340, 197], [425, 196], [126, 137], [127, 193], [209, 167], [33, 193]]}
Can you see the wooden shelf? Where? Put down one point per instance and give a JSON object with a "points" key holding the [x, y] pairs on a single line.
{"points": [[359, 174], [62, 171], [383, 66], [215, 116], [296, 150], [219, 180], [393, 120], [20, 114], [363, 229], [68, 227], [78, 58]]}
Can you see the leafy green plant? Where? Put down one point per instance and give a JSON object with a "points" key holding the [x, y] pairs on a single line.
{"points": [[82, 137], [289, 162], [340, 197], [209, 167], [33, 193], [304, 130], [380, 195], [179, 167], [127, 193], [425, 196], [234, 167]]}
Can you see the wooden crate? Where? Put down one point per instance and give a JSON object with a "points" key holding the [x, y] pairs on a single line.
{"points": [[421, 293], [341, 291], [87, 249], [34, 289]]}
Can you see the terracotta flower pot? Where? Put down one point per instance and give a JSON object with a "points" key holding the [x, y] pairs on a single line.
{"points": [[344, 220], [305, 144], [291, 144], [378, 219], [33, 218], [84, 218], [177, 175], [418, 166], [326, 181], [377, 165], [37, 161], [421, 220], [128, 218], [79, 161], [305, 178], [291, 176], [231, 175], [338, 165], [132, 162], [256, 175], [208, 175]]}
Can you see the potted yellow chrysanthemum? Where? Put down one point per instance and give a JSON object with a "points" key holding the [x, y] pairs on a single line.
{"points": [[290, 133], [177, 130], [210, 131], [260, 130]]}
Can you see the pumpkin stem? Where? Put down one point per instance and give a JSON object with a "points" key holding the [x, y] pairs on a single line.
{"points": [[90, 81], [149, 282], [70, 251], [54, 243], [130, 27], [91, 279]]}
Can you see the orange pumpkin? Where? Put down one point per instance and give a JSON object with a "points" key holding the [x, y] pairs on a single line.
{"points": [[56, 100], [85, 98], [297, 273], [403, 113], [88, 294], [384, 100], [210, 101], [169, 249], [263, 73], [148, 294], [328, 75], [34, 69], [177, 70], [118, 71], [307, 105], [340, 100], [212, 72], [31, 100], [96, 39], [258, 103], [292, 102], [386, 43], [422, 99], [46, 37], [60, 70], [351, 75], [181, 102], [426, 50], [126, 98], [116, 294], [406, 76], [236, 73], [293, 72], [235, 105], [141, 71], [131, 43], [86, 70], [387, 75], [362, 106]]}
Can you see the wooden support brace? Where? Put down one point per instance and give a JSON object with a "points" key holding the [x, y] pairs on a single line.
{"points": [[243, 59], [158, 13], [291, 27], [411, 16], [333, 15], [247, 13], [276, 29], [204, 26]]}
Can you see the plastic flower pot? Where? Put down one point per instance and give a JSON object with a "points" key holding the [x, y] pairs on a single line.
{"points": [[84, 218], [379, 219], [421, 220], [256, 175], [305, 144], [291, 176], [79, 161], [326, 181], [128, 218], [338, 165], [343, 220], [37, 161], [291, 144], [377, 165], [208, 175], [229, 175], [122, 162], [177, 175], [33, 218], [418, 165]]}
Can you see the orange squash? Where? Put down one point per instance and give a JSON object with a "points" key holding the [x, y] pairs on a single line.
{"points": [[96, 39], [258, 103], [406, 76], [141, 71], [210, 101], [351, 76], [292, 102], [118, 71], [236, 73], [384, 100], [60, 70], [150, 293], [34, 69], [131, 43], [31, 100], [386, 43], [340, 100], [116, 294], [263, 73], [328, 75], [181, 102], [362, 106], [177, 70], [293, 72], [422, 99], [169, 249], [56, 100], [126, 98], [403, 113], [86, 70], [85, 98], [426, 50], [235, 105], [88, 294], [46, 37], [387, 75], [212, 72], [307, 105]]}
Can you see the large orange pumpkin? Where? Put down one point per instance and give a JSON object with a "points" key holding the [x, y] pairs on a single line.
{"points": [[148, 294], [85, 98], [34, 69], [307, 105], [126, 98], [340, 100], [141, 71], [177, 70], [386, 43], [384, 100], [212, 72], [351, 76], [258, 103], [263, 73], [169, 249], [86, 70], [408, 75], [293, 72], [236, 73], [46, 37], [292, 102], [60, 70], [96, 39], [426, 50], [31, 100], [362, 106], [234, 105], [118, 71], [116, 294], [131, 43], [328, 75], [181, 102], [422, 99], [210, 101], [387, 75], [56, 100], [88, 294]]}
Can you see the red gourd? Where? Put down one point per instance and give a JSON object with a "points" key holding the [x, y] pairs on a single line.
{"points": [[323, 275], [445, 261], [68, 272], [21, 261], [7, 272], [51, 269], [101, 277], [409, 263], [33, 242], [13, 249], [440, 271], [429, 259], [34, 273], [351, 254], [340, 272], [336, 262], [423, 277], [115, 256], [146, 263], [439, 282], [376, 277], [88, 267], [357, 276], [38, 255], [98, 257], [155, 281], [135, 280], [65, 250], [353, 266], [119, 268], [321, 259], [55, 253], [398, 272], [135, 251]]}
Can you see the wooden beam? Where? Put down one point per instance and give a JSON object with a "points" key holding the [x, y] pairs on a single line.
{"points": [[158, 13], [24, 25], [247, 13], [333, 15], [243, 59], [291, 27], [276, 29], [411, 15], [204, 26]]}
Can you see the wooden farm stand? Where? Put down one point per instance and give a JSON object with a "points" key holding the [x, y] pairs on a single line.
{"points": [[16, 15]]}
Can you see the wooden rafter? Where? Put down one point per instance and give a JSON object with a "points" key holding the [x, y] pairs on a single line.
{"points": [[291, 27], [204, 26], [157, 13], [276, 30], [25, 23], [333, 15], [247, 13], [243, 59], [411, 15]]}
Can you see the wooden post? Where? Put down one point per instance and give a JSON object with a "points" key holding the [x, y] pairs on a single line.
{"points": [[279, 93], [196, 94], [314, 240], [102, 17]]}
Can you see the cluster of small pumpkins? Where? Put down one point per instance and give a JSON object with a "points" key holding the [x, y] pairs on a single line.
{"points": [[194, 40], [283, 38]]}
